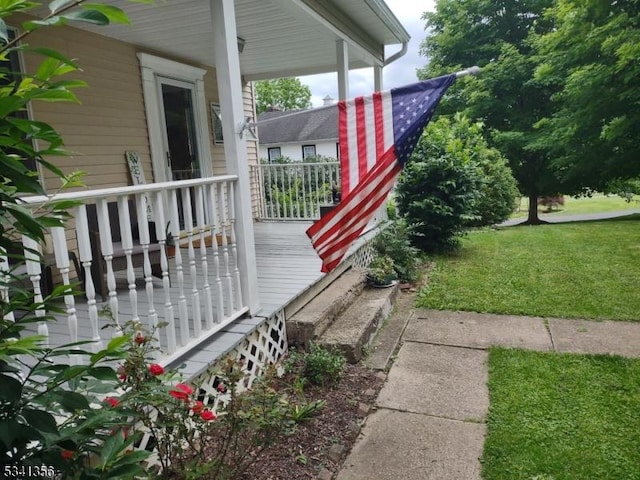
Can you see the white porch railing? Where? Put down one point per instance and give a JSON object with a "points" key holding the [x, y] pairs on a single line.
{"points": [[162, 254], [295, 191]]}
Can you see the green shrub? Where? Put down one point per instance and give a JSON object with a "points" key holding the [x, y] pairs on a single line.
{"points": [[393, 241], [319, 365], [453, 181], [498, 191], [436, 197]]}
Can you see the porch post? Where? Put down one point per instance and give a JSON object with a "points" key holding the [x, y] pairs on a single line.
{"points": [[342, 58], [377, 78], [230, 92]]}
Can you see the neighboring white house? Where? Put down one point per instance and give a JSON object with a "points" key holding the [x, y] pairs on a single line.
{"points": [[299, 134]]}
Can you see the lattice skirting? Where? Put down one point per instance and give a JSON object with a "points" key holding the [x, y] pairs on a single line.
{"points": [[264, 346]]}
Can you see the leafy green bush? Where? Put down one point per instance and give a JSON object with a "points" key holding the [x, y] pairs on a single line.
{"points": [[393, 241], [454, 180], [498, 190], [436, 197], [319, 366]]}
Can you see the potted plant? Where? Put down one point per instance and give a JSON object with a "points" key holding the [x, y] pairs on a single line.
{"points": [[170, 242], [381, 272]]}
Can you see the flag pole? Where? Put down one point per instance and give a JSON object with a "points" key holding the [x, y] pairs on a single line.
{"points": [[475, 70], [248, 124]]}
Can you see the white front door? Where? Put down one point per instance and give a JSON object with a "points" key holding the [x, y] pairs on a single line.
{"points": [[177, 120]]}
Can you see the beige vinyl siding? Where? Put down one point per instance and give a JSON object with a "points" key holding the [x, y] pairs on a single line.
{"points": [[111, 117], [252, 145], [212, 96]]}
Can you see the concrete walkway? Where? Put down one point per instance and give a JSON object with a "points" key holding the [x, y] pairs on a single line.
{"points": [[430, 417]]}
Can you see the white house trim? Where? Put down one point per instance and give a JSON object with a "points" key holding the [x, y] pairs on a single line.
{"points": [[153, 68], [235, 148]]}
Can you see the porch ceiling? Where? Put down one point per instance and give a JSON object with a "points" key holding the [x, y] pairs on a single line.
{"points": [[282, 37]]}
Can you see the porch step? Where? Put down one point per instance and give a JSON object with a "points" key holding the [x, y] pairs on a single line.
{"points": [[311, 321], [356, 327]]}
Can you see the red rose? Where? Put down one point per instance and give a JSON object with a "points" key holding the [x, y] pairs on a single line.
{"points": [[181, 392], [155, 369], [222, 388], [67, 454], [198, 407], [139, 339], [207, 415], [114, 402]]}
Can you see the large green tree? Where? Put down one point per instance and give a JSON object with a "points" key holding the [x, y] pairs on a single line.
{"points": [[506, 96], [283, 94], [593, 54]]}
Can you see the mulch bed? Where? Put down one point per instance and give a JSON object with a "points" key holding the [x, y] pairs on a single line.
{"points": [[319, 446]]}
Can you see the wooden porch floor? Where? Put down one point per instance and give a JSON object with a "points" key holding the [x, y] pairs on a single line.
{"points": [[287, 263], [287, 266]]}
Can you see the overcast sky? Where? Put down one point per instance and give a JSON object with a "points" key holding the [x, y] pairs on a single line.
{"points": [[401, 72]]}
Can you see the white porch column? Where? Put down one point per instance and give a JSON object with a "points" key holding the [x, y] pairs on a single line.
{"points": [[235, 150], [342, 57], [377, 78]]}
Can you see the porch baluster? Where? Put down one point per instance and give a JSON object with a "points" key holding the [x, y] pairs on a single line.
{"points": [[62, 262], [84, 249], [4, 281], [237, 305], [161, 233], [303, 178], [282, 190], [290, 213], [32, 254], [183, 311], [205, 232], [145, 240], [213, 208], [190, 230], [127, 245], [225, 249], [106, 244]]}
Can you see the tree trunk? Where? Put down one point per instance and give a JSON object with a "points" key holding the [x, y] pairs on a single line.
{"points": [[533, 218]]}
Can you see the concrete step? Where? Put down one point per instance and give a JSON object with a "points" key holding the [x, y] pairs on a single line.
{"points": [[387, 340], [356, 327], [315, 317]]}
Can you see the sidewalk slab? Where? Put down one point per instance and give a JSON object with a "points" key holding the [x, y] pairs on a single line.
{"points": [[584, 336], [478, 330], [400, 445], [437, 380]]}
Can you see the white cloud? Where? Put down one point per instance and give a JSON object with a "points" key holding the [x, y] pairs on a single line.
{"points": [[400, 72]]}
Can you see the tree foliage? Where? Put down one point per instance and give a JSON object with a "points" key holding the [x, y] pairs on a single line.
{"points": [[592, 53], [506, 96], [283, 94]]}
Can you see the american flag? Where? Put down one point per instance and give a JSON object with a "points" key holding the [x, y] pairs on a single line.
{"points": [[377, 134]]}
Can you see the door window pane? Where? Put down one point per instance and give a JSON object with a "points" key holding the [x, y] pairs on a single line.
{"points": [[181, 136]]}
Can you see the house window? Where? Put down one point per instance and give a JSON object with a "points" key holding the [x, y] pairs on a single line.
{"points": [[337, 151], [12, 69], [275, 154], [216, 122], [308, 151]]}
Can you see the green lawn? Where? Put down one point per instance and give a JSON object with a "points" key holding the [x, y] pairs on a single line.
{"points": [[573, 270], [576, 206], [562, 417]]}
